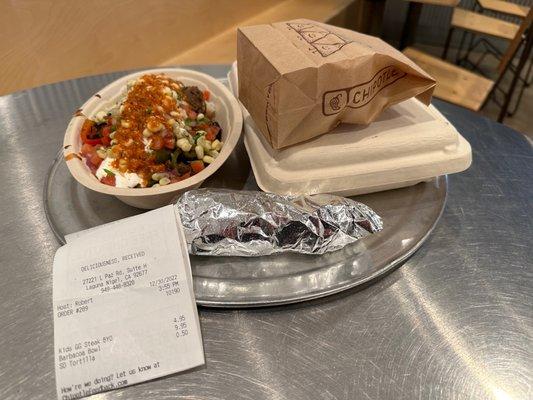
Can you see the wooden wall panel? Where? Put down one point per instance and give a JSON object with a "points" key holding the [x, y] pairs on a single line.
{"points": [[222, 48], [44, 41], [50, 40]]}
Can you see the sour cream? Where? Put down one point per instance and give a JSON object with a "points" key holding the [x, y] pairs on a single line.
{"points": [[123, 180]]}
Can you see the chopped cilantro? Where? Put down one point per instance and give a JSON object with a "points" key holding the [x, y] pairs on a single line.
{"points": [[198, 135], [108, 172], [174, 157]]}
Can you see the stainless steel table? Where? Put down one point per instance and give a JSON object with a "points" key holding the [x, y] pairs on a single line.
{"points": [[454, 322]]}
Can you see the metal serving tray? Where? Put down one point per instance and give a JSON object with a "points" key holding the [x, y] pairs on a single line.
{"points": [[409, 215]]}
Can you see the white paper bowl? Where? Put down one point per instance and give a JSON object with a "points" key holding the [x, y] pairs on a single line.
{"points": [[228, 115]]}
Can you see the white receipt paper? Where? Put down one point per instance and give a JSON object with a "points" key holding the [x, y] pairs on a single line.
{"points": [[124, 309]]}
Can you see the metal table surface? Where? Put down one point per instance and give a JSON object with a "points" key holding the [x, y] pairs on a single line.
{"points": [[455, 321]]}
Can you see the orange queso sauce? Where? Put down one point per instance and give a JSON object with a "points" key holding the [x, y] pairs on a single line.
{"points": [[146, 104]]}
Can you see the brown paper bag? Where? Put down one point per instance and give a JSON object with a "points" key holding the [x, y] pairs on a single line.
{"points": [[301, 78]]}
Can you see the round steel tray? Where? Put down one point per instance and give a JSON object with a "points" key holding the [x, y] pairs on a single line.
{"points": [[409, 215]]}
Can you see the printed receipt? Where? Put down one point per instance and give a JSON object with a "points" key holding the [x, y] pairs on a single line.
{"points": [[124, 309]]}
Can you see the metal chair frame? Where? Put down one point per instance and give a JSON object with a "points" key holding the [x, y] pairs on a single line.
{"points": [[491, 49], [489, 46]]}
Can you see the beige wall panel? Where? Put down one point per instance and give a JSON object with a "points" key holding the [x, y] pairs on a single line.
{"points": [[50, 40], [222, 48]]}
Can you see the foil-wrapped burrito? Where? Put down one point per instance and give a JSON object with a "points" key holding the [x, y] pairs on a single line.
{"points": [[247, 223]]}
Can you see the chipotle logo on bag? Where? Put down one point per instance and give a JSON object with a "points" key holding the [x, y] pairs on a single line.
{"points": [[335, 101], [299, 79]]}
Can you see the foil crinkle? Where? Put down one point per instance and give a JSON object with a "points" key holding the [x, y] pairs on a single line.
{"points": [[248, 223]]}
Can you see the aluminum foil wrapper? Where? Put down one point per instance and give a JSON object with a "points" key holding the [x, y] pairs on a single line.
{"points": [[247, 223]]}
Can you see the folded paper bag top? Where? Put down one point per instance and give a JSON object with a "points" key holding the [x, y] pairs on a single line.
{"points": [[301, 78]]}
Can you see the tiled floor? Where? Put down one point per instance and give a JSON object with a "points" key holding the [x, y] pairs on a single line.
{"points": [[522, 120]]}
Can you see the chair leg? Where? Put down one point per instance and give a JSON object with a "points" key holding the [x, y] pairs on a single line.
{"points": [[447, 44], [470, 47], [517, 102], [460, 48], [528, 75], [524, 84], [523, 58]]}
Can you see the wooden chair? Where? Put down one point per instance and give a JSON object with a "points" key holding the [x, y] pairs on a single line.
{"points": [[480, 6], [504, 7], [465, 88], [471, 21], [474, 24]]}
